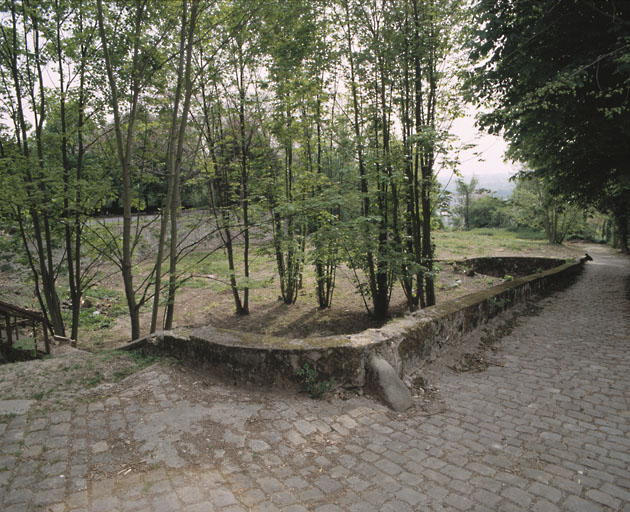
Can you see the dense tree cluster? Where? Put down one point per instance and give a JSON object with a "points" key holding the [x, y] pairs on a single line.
{"points": [[531, 207], [317, 120], [311, 126]]}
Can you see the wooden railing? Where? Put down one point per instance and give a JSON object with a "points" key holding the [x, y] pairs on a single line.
{"points": [[12, 318]]}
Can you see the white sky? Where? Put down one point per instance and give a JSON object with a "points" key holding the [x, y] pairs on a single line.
{"points": [[490, 149]]}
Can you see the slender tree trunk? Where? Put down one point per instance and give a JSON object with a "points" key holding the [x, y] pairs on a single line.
{"points": [[178, 156], [622, 230], [124, 148], [43, 267], [244, 192], [73, 251], [427, 158], [363, 180], [167, 205]]}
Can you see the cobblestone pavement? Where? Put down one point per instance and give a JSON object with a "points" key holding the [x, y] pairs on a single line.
{"points": [[546, 427]]}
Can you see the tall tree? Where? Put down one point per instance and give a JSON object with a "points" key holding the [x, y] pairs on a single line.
{"points": [[466, 196], [22, 53], [291, 36], [131, 54], [405, 51], [228, 124], [537, 207], [180, 100]]}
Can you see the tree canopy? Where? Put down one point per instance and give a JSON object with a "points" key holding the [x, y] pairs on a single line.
{"points": [[555, 76], [311, 127]]}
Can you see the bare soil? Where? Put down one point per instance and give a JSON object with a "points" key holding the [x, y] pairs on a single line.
{"points": [[202, 302], [270, 316]]}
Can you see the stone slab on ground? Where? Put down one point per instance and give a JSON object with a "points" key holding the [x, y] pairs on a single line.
{"points": [[15, 406]]}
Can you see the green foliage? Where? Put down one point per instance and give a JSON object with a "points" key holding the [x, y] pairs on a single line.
{"points": [[101, 307], [555, 76], [310, 382], [496, 305], [489, 212], [285, 144], [466, 193], [94, 380], [27, 344], [527, 233], [533, 206]]}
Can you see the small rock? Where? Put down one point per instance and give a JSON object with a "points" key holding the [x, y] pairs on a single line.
{"points": [[257, 445], [100, 447]]}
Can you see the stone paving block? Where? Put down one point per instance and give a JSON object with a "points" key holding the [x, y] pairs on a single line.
{"points": [[575, 503], [549, 493], [189, 494], [544, 506], [295, 508], [305, 428], [266, 506], [222, 498], [135, 504], [603, 498], [459, 502], [327, 484], [283, 498], [200, 507], [410, 496], [166, 503], [105, 504], [396, 506], [486, 498], [388, 467], [518, 496], [570, 486]]}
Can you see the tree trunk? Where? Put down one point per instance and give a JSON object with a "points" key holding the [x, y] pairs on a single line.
{"points": [[124, 148]]}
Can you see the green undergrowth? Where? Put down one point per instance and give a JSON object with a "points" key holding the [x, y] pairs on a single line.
{"points": [[311, 383]]}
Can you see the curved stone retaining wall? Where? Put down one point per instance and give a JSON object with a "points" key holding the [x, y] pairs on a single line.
{"points": [[406, 343], [409, 342], [512, 265]]}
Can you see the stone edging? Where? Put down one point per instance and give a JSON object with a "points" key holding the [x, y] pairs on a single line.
{"points": [[352, 361]]}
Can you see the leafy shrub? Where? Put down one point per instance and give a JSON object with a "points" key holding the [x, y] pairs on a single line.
{"points": [[310, 383]]}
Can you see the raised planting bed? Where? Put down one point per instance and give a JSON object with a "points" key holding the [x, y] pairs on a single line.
{"points": [[404, 344], [507, 266]]}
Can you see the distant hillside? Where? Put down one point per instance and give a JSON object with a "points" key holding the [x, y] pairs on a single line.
{"points": [[499, 183]]}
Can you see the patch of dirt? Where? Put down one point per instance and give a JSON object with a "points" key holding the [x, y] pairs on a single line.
{"points": [[201, 306], [471, 362], [204, 301], [66, 374]]}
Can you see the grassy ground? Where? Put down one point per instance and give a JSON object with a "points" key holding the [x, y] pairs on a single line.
{"points": [[206, 298], [499, 242]]}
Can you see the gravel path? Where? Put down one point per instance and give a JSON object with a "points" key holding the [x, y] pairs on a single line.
{"points": [[545, 427]]}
